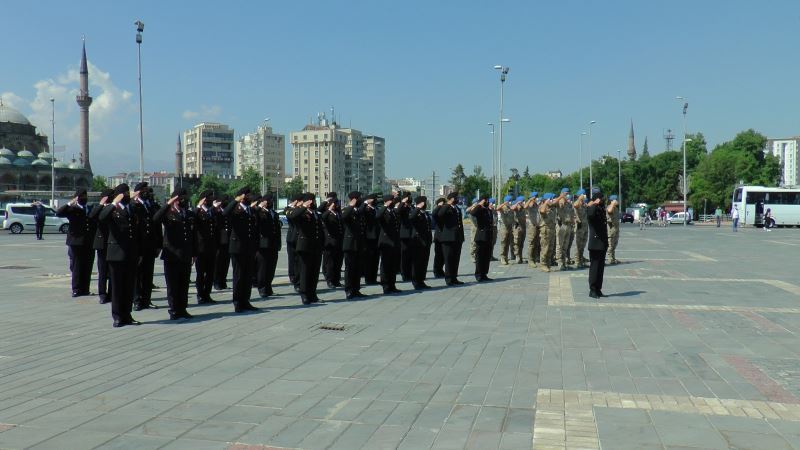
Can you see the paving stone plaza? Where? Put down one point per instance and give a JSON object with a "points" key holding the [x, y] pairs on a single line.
{"points": [[697, 346]]}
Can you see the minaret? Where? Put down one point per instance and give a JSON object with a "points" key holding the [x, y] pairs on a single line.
{"points": [[179, 159], [84, 100], [631, 145]]}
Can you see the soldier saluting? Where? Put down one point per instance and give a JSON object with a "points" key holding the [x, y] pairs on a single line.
{"points": [[451, 237], [242, 246], [206, 240], [99, 245], [80, 238], [269, 228], [389, 244], [368, 214], [179, 251], [421, 239], [121, 253], [353, 243], [150, 241], [310, 234], [483, 238]]}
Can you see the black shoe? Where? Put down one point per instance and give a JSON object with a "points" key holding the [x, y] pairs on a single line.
{"points": [[206, 301], [296, 289], [359, 294], [600, 294], [483, 279], [76, 294], [305, 300], [185, 315], [103, 300], [249, 307], [118, 324], [421, 286], [457, 282], [174, 316], [394, 290], [133, 322], [438, 275], [593, 294]]}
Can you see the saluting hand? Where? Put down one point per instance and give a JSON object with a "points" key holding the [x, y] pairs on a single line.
{"points": [[73, 202], [104, 200], [135, 195], [239, 198], [172, 201], [118, 198], [201, 202]]}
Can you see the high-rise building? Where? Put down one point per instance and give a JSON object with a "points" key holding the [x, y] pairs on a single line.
{"points": [[786, 150], [329, 158], [208, 148], [264, 151]]}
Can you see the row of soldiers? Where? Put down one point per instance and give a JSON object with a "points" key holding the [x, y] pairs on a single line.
{"points": [[550, 225], [129, 230]]}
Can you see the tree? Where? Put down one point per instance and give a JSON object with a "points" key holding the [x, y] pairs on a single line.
{"points": [[645, 152], [457, 179], [208, 182], [99, 183], [294, 187], [250, 178], [476, 183]]}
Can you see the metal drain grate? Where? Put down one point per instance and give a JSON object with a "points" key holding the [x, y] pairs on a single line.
{"points": [[332, 327], [17, 267]]}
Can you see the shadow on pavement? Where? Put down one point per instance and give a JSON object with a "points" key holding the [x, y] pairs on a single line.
{"points": [[626, 294]]}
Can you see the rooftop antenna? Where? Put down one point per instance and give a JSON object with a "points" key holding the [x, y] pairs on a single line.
{"points": [[669, 137]]}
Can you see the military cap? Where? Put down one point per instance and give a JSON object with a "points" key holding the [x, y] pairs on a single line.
{"points": [[581, 192], [406, 194], [267, 198], [548, 196], [79, 192], [564, 190], [612, 197], [243, 191], [208, 194], [372, 196], [440, 200], [121, 189], [520, 199], [331, 195], [309, 196], [107, 192], [139, 186], [179, 191], [475, 200], [297, 198], [507, 198], [388, 198], [421, 199], [484, 197], [354, 194], [595, 190], [452, 195], [534, 194], [492, 200]]}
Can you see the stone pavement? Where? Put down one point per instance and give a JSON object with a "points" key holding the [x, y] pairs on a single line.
{"points": [[695, 347]]}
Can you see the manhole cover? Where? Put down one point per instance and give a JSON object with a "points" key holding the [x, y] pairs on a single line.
{"points": [[16, 267], [332, 327]]}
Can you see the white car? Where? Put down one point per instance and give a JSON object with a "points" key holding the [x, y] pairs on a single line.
{"points": [[19, 217], [679, 217]]}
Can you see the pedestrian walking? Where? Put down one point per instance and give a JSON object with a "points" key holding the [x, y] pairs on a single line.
{"points": [[39, 217], [735, 218], [718, 216]]}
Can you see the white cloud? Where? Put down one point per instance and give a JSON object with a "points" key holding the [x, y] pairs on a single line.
{"points": [[11, 99], [205, 112]]}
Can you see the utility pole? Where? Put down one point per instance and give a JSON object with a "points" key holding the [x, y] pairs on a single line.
{"points": [[433, 185]]}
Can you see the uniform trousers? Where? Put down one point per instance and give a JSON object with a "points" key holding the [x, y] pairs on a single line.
{"points": [[506, 242], [176, 275], [483, 257], [40, 228], [291, 255], [242, 279], [103, 288], [406, 259], [419, 266], [143, 287], [597, 266], [122, 275], [308, 264], [352, 271], [332, 265], [544, 242], [613, 239], [519, 241], [370, 258], [438, 260], [81, 258], [534, 244], [204, 273], [452, 257], [266, 261], [390, 264], [581, 235], [221, 263]]}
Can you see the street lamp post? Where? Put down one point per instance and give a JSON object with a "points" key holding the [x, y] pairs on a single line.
{"points": [[139, 29], [53, 155], [580, 155], [619, 178], [591, 180], [685, 107], [503, 74], [494, 167]]}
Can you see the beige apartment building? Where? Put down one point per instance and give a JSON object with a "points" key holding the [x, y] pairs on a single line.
{"points": [[208, 149], [265, 151]]}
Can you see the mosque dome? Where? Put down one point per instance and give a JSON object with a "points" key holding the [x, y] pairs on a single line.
{"points": [[7, 153], [22, 162], [75, 165], [4, 161], [61, 165], [45, 155], [9, 114], [40, 162], [25, 154]]}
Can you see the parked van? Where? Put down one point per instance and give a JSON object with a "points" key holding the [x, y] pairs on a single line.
{"points": [[19, 217]]}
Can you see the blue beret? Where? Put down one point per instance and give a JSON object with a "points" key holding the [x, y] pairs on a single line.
{"points": [[534, 194], [492, 200], [507, 198], [595, 190], [563, 190], [581, 192], [475, 200], [612, 197], [548, 196], [520, 199]]}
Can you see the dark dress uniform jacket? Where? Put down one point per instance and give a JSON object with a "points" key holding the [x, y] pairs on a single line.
{"points": [[179, 234], [598, 231], [452, 227], [269, 227], [101, 233], [353, 221], [206, 226], [123, 237], [483, 221], [308, 229], [81, 228], [291, 232], [223, 226], [421, 229], [389, 225], [334, 230], [151, 238], [371, 229], [244, 229]]}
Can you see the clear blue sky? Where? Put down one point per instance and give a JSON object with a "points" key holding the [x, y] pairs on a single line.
{"points": [[416, 72]]}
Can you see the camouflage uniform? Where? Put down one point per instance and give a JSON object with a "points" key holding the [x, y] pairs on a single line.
{"points": [[519, 233], [494, 231], [534, 244], [581, 232], [472, 247], [547, 227], [565, 222], [506, 224], [613, 234]]}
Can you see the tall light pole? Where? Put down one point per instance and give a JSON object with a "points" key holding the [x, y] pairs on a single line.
{"points": [[53, 155], [139, 29], [580, 155], [685, 107], [494, 167], [499, 165], [503, 73], [619, 178], [591, 180]]}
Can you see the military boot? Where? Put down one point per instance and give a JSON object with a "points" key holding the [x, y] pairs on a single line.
{"points": [[503, 260], [545, 268]]}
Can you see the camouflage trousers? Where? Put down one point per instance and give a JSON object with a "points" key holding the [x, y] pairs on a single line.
{"points": [[613, 240], [581, 236], [562, 247], [519, 241], [506, 240], [545, 241], [534, 244]]}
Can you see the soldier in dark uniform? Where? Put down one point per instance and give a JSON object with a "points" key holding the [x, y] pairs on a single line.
{"points": [[332, 256], [99, 245], [80, 239], [269, 227], [438, 256], [421, 239], [242, 247], [598, 243], [206, 243], [406, 232], [389, 244], [179, 251], [291, 241], [353, 243], [222, 260], [451, 237], [310, 235], [121, 254], [483, 238], [150, 242], [371, 254]]}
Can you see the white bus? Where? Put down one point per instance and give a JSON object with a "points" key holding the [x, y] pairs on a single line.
{"points": [[753, 202]]}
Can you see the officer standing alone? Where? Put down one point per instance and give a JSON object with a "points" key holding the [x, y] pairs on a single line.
{"points": [[598, 243]]}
